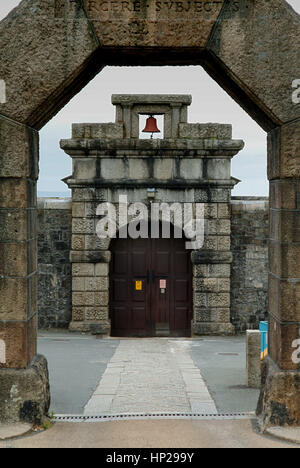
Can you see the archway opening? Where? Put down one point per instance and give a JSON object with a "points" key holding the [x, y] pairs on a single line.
{"points": [[207, 112]]}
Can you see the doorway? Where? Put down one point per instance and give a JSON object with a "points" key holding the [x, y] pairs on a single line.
{"points": [[150, 288]]}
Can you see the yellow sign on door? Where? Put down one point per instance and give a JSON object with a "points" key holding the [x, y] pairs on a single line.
{"points": [[139, 285]]}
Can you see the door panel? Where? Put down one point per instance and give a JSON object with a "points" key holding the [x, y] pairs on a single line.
{"points": [[139, 305]]}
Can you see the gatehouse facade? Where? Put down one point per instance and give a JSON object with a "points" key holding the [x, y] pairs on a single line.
{"points": [[151, 286]]}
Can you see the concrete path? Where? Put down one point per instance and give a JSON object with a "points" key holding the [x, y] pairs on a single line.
{"points": [[76, 363], [148, 376], [165, 434], [193, 372]]}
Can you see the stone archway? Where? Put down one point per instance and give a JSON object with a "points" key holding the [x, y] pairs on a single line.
{"points": [[50, 50]]}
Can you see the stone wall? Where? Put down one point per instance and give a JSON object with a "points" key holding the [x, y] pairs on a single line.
{"points": [[54, 267], [249, 268], [249, 272]]}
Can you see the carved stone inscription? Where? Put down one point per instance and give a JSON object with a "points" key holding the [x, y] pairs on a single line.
{"points": [[131, 23], [160, 8]]}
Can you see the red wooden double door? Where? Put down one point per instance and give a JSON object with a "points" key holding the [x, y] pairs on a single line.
{"points": [[150, 288]]}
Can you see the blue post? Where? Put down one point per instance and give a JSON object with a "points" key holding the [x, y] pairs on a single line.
{"points": [[264, 328]]}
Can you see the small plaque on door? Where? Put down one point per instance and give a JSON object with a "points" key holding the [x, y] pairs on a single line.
{"points": [[139, 285], [163, 284]]}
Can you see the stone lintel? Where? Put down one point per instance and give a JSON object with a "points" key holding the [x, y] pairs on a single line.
{"points": [[158, 99]]}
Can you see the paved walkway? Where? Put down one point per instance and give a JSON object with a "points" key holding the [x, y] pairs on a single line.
{"points": [[151, 375], [146, 375], [110, 376]]}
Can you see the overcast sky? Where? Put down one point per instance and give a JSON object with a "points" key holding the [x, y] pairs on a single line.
{"points": [[210, 104]]}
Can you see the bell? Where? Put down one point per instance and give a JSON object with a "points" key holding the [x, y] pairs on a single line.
{"points": [[151, 126]]}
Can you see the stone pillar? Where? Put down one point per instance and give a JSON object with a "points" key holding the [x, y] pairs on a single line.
{"points": [[176, 114], [90, 259], [253, 358], [18, 278], [280, 396]]}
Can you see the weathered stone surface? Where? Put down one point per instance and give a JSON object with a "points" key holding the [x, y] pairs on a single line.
{"points": [[83, 269], [283, 151], [211, 329], [212, 315], [78, 242], [208, 257], [212, 271], [284, 194], [209, 130], [96, 314], [13, 305], [77, 314], [284, 259], [284, 299], [90, 284], [129, 100], [150, 23], [218, 299], [279, 403], [83, 298], [13, 193], [97, 256], [253, 352], [13, 225], [83, 226], [89, 195], [20, 342], [249, 273], [287, 334], [94, 243], [95, 130], [253, 43], [213, 195], [25, 394], [14, 258], [224, 210], [101, 269], [48, 51], [18, 150], [285, 225], [54, 244], [96, 328]]}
